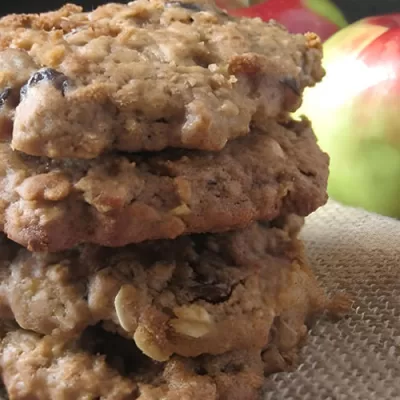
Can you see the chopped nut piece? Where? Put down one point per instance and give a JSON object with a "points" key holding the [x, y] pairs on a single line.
{"points": [[184, 189], [313, 40], [145, 341], [193, 321], [183, 209], [111, 186], [53, 186], [125, 307]]}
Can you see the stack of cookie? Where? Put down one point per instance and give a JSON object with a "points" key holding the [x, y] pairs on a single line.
{"points": [[152, 189]]}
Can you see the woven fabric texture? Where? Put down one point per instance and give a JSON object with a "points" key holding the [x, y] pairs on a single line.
{"points": [[357, 358]]}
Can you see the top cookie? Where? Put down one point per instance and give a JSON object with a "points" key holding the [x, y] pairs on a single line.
{"points": [[146, 75]]}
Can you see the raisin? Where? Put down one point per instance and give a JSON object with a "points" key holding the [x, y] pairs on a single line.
{"points": [[58, 79], [213, 292], [45, 74], [232, 368], [199, 243], [292, 84], [4, 95], [266, 224], [199, 370], [186, 6]]}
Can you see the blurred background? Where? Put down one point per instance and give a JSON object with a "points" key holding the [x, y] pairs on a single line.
{"points": [[353, 9]]}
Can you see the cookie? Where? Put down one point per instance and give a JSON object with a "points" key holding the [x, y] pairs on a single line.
{"points": [[189, 296], [100, 365], [52, 205], [146, 75]]}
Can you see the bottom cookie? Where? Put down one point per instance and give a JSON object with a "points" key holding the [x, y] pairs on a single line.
{"points": [[105, 366]]}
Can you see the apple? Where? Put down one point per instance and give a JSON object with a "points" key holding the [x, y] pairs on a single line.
{"points": [[299, 16], [355, 112]]}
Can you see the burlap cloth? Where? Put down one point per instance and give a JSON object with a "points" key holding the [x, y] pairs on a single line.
{"points": [[358, 357]]}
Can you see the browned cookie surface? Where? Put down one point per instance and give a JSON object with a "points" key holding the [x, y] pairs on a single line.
{"points": [[146, 75], [117, 199], [197, 294]]}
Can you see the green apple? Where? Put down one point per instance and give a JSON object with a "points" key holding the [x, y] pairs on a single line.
{"points": [[355, 112]]}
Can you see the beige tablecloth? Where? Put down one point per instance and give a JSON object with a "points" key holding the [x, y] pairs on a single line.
{"points": [[357, 358]]}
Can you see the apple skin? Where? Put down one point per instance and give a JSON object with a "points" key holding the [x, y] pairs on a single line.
{"points": [[355, 112], [299, 16]]}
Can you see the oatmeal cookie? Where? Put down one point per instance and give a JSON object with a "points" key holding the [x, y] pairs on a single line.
{"points": [[105, 366], [146, 75], [193, 295], [52, 205]]}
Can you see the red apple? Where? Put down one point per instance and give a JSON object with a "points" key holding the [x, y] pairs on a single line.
{"points": [[299, 16], [355, 112]]}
